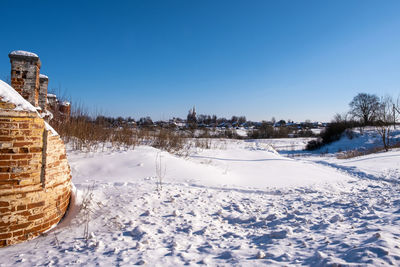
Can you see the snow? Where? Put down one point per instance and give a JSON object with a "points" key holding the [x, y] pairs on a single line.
{"points": [[238, 203], [51, 129], [225, 167], [383, 166], [51, 96], [65, 103], [8, 94], [47, 114], [317, 130], [23, 53], [241, 132], [287, 144], [43, 76]]}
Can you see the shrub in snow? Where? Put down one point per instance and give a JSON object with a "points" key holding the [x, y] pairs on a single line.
{"points": [[332, 133]]}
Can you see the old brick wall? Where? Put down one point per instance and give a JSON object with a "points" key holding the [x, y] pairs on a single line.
{"points": [[35, 178], [65, 110], [43, 84], [25, 77]]}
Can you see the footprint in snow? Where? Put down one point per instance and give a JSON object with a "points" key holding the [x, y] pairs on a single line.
{"points": [[138, 233]]}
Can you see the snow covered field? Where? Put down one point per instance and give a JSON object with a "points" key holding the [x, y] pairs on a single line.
{"points": [[239, 203]]}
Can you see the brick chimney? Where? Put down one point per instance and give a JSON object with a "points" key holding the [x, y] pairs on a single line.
{"points": [[25, 69], [43, 84]]}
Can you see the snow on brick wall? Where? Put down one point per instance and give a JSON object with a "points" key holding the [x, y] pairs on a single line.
{"points": [[35, 178]]}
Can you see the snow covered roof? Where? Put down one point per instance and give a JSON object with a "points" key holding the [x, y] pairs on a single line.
{"points": [[51, 96], [65, 103], [8, 94], [42, 76], [23, 53]]}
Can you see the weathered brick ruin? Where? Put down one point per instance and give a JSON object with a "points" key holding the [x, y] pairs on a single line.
{"points": [[25, 69], [35, 178], [27, 80], [43, 84]]}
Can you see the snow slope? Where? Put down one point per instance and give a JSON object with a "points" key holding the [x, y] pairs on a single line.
{"points": [[238, 164], [369, 138], [383, 166], [239, 203]]}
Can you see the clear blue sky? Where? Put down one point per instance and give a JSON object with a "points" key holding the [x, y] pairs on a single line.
{"points": [[293, 60]]}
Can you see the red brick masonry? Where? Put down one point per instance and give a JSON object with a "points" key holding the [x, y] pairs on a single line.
{"points": [[35, 178]]}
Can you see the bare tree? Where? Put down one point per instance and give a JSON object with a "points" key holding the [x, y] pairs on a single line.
{"points": [[384, 120], [364, 107], [242, 119], [341, 117], [396, 110]]}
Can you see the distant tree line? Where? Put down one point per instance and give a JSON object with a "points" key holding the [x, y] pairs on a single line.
{"points": [[203, 125], [365, 110]]}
